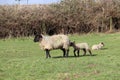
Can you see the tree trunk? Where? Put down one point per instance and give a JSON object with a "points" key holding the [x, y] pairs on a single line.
{"points": [[111, 24]]}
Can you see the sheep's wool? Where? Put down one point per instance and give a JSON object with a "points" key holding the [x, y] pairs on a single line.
{"points": [[54, 42]]}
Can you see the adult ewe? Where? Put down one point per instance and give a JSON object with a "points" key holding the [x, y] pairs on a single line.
{"points": [[82, 46], [48, 43], [97, 46]]}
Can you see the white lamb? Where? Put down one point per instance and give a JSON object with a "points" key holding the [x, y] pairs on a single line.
{"points": [[48, 43], [97, 46], [82, 46]]}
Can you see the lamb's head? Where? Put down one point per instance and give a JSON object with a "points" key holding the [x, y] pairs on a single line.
{"points": [[38, 37], [72, 43], [101, 44]]}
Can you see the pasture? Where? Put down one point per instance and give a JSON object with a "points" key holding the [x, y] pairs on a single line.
{"points": [[22, 59]]}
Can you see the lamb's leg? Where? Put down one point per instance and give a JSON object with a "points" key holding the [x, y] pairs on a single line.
{"points": [[78, 51], [74, 52], [90, 52], [47, 53], [84, 52]]}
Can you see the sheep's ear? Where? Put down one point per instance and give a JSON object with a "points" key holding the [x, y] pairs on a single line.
{"points": [[35, 32], [42, 35]]}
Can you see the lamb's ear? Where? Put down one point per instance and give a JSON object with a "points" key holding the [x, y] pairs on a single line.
{"points": [[102, 43], [73, 41]]}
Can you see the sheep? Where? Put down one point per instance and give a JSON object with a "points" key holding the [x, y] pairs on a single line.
{"points": [[49, 43], [97, 46], [82, 46]]}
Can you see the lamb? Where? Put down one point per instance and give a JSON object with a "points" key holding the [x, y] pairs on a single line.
{"points": [[97, 46], [49, 43], [82, 46]]}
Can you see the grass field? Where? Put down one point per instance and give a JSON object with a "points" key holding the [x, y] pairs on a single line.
{"points": [[22, 59]]}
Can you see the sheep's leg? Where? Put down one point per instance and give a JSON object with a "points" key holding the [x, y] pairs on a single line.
{"points": [[84, 52], [74, 52], [90, 52], [47, 53], [67, 52], [78, 52], [63, 52]]}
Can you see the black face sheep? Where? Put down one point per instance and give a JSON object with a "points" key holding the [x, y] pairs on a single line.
{"points": [[97, 46], [82, 46], [48, 43]]}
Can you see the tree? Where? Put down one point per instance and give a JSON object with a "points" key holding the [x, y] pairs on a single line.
{"points": [[18, 1], [27, 1]]}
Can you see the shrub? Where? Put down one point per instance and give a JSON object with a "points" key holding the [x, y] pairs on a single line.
{"points": [[68, 16]]}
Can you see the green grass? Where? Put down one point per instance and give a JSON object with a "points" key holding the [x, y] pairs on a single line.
{"points": [[22, 59]]}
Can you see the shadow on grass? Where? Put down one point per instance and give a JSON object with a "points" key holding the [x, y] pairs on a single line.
{"points": [[104, 48], [74, 56]]}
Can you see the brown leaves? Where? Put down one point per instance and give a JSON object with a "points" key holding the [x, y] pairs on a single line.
{"points": [[68, 16]]}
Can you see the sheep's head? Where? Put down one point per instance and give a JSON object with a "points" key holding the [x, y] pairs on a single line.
{"points": [[38, 37]]}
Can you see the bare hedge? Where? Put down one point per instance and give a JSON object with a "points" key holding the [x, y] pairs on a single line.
{"points": [[68, 17]]}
